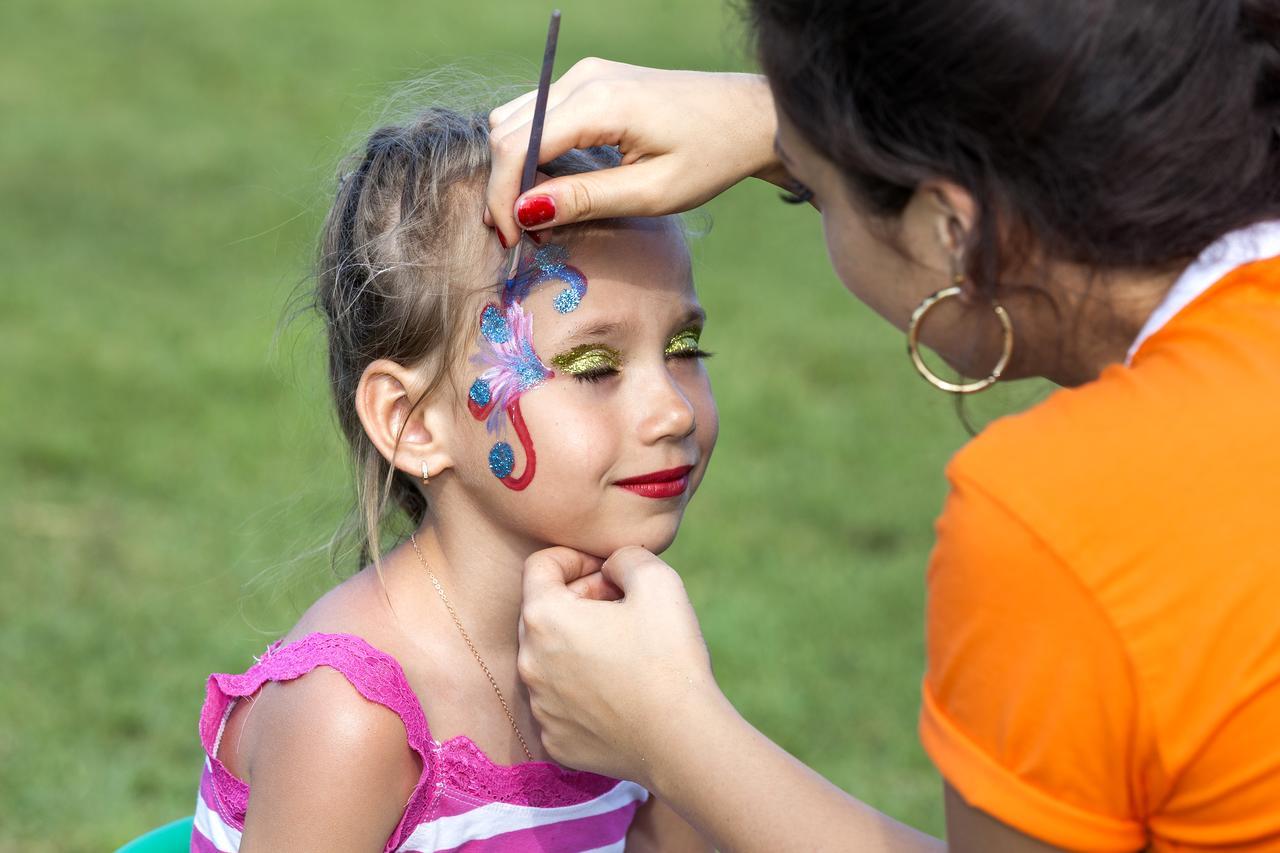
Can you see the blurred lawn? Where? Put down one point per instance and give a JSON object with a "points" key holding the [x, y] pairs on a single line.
{"points": [[167, 476]]}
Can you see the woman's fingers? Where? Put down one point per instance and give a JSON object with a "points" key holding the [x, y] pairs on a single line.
{"points": [[521, 109], [595, 195], [576, 638], [685, 136], [510, 126], [569, 125], [549, 572], [633, 570], [627, 571], [499, 115], [595, 587]]}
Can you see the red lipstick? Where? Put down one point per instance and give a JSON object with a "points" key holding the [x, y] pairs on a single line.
{"points": [[660, 484]]}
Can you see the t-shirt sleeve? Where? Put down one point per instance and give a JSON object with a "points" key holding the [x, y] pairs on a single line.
{"points": [[1029, 710]]}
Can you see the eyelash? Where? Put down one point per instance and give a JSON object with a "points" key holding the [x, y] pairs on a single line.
{"points": [[596, 375], [800, 194], [604, 373], [691, 354]]}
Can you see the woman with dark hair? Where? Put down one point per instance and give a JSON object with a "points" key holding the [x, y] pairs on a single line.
{"points": [[1083, 191]]}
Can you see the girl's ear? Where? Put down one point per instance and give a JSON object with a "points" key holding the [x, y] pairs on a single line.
{"points": [[406, 435]]}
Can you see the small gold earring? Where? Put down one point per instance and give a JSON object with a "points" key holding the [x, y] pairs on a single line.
{"points": [[426, 478]]}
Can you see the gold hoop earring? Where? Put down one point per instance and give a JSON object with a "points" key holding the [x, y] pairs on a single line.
{"points": [[426, 478], [913, 343]]}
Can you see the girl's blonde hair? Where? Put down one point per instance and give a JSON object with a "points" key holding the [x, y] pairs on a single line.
{"points": [[398, 249]]}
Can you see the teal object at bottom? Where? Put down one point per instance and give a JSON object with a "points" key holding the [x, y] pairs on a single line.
{"points": [[171, 838]]}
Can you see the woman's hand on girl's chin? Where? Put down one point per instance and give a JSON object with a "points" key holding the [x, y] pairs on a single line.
{"points": [[685, 136], [594, 586], [611, 655]]}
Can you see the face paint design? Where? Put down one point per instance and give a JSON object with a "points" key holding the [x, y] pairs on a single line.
{"points": [[510, 365], [511, 368], [594, 362], [501, 460], [549, 262], [494, 326], [589, 361], [686, 342]]}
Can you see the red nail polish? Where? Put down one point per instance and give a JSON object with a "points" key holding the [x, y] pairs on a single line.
{"points": [[535, 236], [502, 241], [536, 210]]}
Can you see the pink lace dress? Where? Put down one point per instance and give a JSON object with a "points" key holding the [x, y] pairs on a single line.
{"points": [[463, 801]]}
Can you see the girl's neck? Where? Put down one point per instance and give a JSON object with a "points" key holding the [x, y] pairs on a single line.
{"points": [[480, 572], [480, 569]]}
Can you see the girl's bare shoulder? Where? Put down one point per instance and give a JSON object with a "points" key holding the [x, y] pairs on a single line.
{"points": [[355, 606], [327, 769], [312, 748]]}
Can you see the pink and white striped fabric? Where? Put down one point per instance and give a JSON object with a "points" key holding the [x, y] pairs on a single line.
{"points": [[462, 802]]}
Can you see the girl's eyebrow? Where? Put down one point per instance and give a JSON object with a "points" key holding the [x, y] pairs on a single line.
{"points": [[694, 316], [610, 328], [593, 331]]}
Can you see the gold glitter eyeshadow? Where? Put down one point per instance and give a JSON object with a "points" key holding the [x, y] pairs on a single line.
{"points": [[588, 358], [685, 341]]}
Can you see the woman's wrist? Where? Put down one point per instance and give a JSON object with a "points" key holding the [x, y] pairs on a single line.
{"points": [[759, 128], [708, 769], [693, 723]]}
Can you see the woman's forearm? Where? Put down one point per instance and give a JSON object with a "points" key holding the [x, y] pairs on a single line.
{"points": [[745, 793], [621, 684]]}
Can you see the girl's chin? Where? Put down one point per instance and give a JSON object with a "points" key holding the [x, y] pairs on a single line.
{"points": [[649, 537]]}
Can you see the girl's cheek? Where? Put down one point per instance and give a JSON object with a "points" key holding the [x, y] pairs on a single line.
{"points": [[585, 438], [572, 431], [711, 420], [708, 418]]}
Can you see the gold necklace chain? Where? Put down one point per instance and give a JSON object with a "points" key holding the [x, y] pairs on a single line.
{"points": [[506, 709]]}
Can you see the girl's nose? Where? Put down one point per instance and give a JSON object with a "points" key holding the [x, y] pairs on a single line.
{"points": [[668, 411]]}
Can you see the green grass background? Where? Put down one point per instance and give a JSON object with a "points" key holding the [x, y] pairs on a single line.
{"points": [[168, 476]]}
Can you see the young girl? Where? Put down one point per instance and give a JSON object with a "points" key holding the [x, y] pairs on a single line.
{"points": [[567, 405]]}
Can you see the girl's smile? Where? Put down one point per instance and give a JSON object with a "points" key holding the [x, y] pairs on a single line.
{"points": [[660, 484]]}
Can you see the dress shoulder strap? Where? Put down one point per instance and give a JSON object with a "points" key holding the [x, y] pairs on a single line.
{"points": [[376, 675]]}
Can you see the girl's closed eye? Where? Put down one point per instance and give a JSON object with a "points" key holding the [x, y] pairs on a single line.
{"points": [[686, 344], [596, 362], [589, 362]]}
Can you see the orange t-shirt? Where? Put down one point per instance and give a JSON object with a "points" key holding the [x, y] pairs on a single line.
{"points": [[1104, 598]]}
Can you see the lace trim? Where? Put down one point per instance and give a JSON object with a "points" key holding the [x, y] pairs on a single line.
{"points": [[464, 768]]}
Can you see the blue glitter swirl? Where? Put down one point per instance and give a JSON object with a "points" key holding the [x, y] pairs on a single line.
{"points": [[551, 259], [567, 300], [501, 460], [480, 393], [548, 262], [494, 326]]}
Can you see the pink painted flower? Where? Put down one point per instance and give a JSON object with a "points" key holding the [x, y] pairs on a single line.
{"points": [[511, 367]]}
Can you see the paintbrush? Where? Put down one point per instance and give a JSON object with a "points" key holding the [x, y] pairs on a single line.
{"points": [[535, 136]]}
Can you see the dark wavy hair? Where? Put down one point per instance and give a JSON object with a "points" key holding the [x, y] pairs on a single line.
{"points": [[1111, 133]]}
